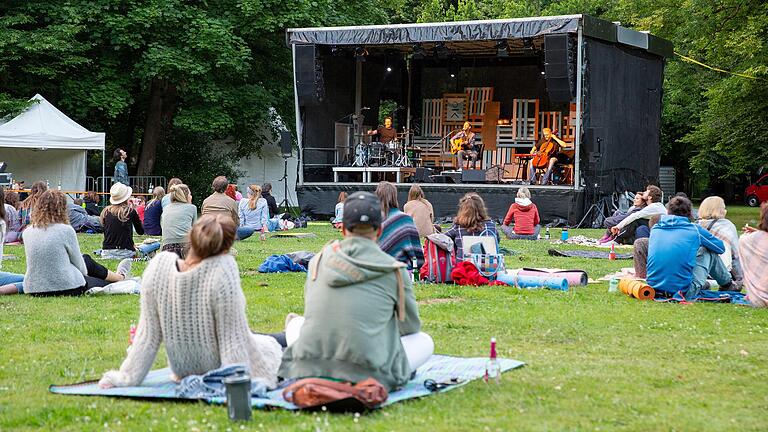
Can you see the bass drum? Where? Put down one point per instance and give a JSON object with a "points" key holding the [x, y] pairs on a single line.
{"points": [[377, 154]]}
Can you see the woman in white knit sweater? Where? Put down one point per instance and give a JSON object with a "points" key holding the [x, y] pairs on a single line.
{"points": [[197, 308]]}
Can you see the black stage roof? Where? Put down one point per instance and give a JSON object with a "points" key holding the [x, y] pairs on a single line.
{"points": [[460, 31]]}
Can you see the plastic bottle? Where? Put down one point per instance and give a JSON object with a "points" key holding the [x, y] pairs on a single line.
{"points": [[613, 285], [150, 189], [59, 186], [546, 234], [492, 367], [612, 253], [131, 336], [414, 271], [564, 234]]}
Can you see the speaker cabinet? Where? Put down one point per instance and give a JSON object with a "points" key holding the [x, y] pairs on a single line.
{"points": [[286, 143], [310, 85], [560, 67], [473, 176]]}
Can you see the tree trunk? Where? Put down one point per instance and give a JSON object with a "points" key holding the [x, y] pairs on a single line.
{"points": [[162, 105]]}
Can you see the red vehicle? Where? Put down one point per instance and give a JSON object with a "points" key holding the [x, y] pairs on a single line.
{"points": [[757, 192]]}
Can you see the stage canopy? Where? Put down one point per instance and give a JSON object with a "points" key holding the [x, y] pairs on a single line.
{"points": [[42, 143], [479, 31]]}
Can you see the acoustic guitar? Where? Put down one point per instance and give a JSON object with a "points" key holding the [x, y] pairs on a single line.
{"points": [[459, 144]]}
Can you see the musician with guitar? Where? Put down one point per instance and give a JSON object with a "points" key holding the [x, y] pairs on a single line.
{"points": [[463, 146], [545, 151]]}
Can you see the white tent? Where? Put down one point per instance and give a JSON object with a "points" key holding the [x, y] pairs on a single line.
{"points": [[42, 143]]}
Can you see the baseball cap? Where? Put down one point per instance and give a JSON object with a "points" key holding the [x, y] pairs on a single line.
{"points": [[362, 208]]}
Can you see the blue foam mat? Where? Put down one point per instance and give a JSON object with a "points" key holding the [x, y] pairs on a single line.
{"points": [[441, 368]]}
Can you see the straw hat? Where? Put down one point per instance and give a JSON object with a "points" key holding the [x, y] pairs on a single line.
{"points": [[119, 193]]}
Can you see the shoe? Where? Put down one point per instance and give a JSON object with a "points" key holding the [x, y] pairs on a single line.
{"points": [[124, 268], [289, 317]]}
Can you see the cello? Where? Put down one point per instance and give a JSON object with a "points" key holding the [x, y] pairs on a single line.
{"points": [[545, 152]]}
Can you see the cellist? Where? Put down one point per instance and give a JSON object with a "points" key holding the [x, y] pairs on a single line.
{"points": [[547, 147]]}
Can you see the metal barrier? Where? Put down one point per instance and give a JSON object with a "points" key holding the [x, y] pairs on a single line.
{"points": [[140, 184]]}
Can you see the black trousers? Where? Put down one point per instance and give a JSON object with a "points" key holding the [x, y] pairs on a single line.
{"points": [[97, 274]]}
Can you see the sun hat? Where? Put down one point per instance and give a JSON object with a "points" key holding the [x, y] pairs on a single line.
{"points": [[119, 193], [362, 208]]}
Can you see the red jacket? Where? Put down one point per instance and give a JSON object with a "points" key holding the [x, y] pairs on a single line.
{"points": [[526, 217]]}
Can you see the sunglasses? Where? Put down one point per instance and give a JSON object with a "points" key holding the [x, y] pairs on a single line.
{"points": [[434, 386]]}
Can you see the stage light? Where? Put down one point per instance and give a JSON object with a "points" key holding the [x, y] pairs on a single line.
{"points": [[454, 67], [543, 73], [441, 51], [502, 49], [336, 51], [360, 53], [389, 69], [528, 44]]}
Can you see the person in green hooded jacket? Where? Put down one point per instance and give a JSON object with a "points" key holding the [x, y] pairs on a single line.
{"points": [[361, 317]]}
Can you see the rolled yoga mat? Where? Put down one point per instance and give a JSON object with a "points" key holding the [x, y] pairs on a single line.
{"points": [[637, 288], [522, 281], [574, 277]]}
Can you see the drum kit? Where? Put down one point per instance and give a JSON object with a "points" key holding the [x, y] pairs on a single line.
{"points": [[378, 154]]}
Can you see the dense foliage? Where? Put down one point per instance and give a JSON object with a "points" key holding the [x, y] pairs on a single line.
{"points": [[151, 72]]}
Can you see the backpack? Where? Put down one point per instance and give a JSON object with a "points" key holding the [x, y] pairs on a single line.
{"points": [[438, 259], [313, 393]]}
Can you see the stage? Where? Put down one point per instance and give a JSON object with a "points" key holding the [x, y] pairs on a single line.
{"points": [[593, 83]]}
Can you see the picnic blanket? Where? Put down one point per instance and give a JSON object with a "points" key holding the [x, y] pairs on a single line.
{"points": [[586, 254], [591, 242], [283, 234], [158, 385], [708, 296]]}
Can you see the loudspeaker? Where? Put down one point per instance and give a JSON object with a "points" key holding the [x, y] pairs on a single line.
{"points": [[310, 85], [286, 143], [473, 176], [441, 179], [423, 175], [559, 67]]}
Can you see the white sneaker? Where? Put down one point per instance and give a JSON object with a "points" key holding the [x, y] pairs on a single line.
{"points": [[124, 268]]}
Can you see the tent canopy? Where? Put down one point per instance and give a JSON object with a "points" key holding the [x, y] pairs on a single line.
{"points": [[43, 126]]}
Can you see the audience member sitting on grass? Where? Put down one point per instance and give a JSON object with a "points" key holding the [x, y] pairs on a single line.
{"points": [[525, 216], [421, 211], [338, 211], [55, 266], [177, 220], [683, 255], [12, 222], [638, 203], [254, 214], [171, 183], [231, 191], [712, 217], [25, 209], [635, 225], [80, 220], [361, 317], [640, 251], [266, 193], [153, 212], [118, 221], [219, 203], [399, 236], [91, 201], [471, 220], [753, 250], [197, 308]]}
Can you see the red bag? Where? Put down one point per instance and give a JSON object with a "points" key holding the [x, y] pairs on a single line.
{"points": [[438, 262], [309, 393]]}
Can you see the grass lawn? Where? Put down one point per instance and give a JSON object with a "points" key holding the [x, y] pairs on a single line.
{"points": [[594, 360]]}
